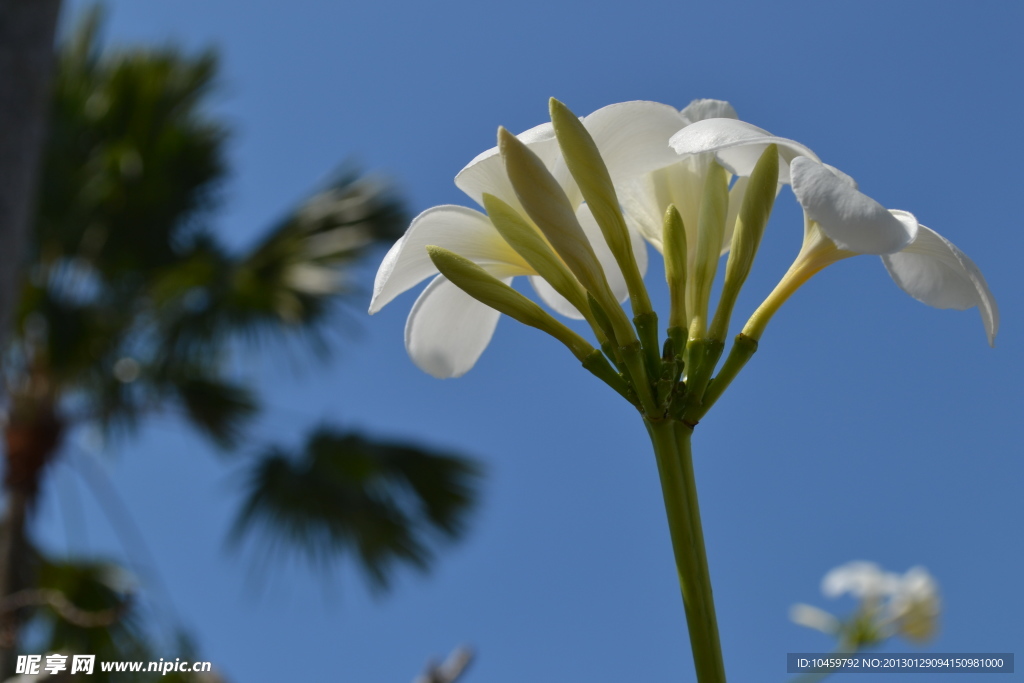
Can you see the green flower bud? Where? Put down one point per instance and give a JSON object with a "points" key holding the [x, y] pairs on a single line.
{"points": [[746, 237], [591, 175], [714, 207], [546, 203], [490, 291], [536, 251], [674, 245]]}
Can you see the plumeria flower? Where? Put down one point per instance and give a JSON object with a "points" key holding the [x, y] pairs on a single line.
{"points": [[889, 604], [841, 222], [683, 182], [915, 605], [447, 330], [657, 177]]}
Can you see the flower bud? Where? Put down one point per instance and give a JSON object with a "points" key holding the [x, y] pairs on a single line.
{"points": [[536, 251], [490, 291], [546, 203], [591, 175], [746, 237], [714, 207], [674, 245]]}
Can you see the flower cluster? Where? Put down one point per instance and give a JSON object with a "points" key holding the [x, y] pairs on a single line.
{"points": [[570, 204], [889, 604]]}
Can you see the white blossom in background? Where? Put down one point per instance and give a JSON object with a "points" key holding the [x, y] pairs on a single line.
{"points": [[889, 604], [915, 606]]}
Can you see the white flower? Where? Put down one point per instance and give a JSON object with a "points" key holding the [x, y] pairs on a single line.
{"points": [[737, 145], [680, 182], [447, 330], [842, 222], [915, 605], [890, 604], [923, 263]]}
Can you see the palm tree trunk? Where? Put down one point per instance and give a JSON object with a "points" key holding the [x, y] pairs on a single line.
{"points": [[30, 445], [27, 31], [12, 552]]}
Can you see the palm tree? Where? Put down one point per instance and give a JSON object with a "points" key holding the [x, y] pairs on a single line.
{"points": [[27, 29], [130, 306]]}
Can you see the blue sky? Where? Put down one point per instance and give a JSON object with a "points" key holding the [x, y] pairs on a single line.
{"points": [[868, 426]]}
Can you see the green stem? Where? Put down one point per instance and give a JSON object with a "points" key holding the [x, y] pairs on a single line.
{"points": [[701, 358], [671, 442], [742, 349], [632, 356], [647, 330]]}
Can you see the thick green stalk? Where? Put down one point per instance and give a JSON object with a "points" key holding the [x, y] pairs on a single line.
{"points": [[671, 442]]}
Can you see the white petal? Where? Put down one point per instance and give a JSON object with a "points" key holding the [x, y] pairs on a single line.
{"points": [[556, 301], [812, 617], [932, 270], [842, 176], [737, 144], [467, 232], [633, 137], [447, 329], [851, 219], [698, 110], [646, 200], [860, 579], [639, 251], [917, 584], [640, 203], [486, 173]]}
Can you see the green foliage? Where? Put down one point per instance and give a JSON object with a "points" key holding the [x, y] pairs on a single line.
{"points": [[131, 305], [98, 598], [92, 608], [384, 503]]}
